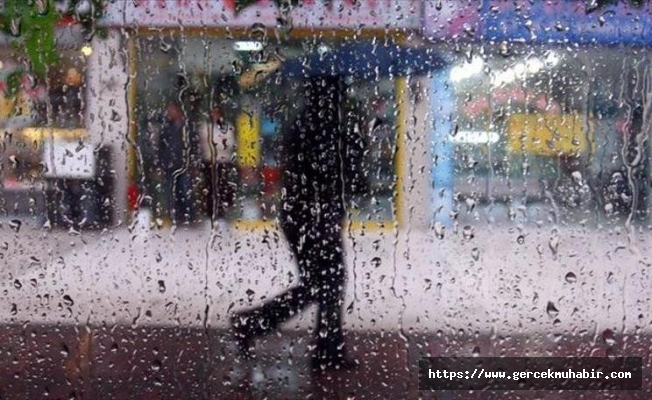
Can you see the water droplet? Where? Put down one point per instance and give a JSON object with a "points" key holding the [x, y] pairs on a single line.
{"points": [[439, 230], [571, 277], [476, 351], [610, 277], [608, 337], [161, 286], [17, 284], [115, 116], [475, 253], [551, 310], [469, 30], [42, 6], [64, 350], [237, 68], [504, 50], [67, 301], [15, 225], [14, 27], [554, 244], [376, 261], [520, 239], [165, 47], [156, 365], [84, 7], [14, 309], [470, 204], [250, 294], [577, 177], [467, 232]]}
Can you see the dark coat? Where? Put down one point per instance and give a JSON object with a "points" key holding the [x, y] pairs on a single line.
{"points": [[320, 153]]}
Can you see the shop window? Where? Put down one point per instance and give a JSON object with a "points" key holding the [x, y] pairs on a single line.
{"points": [[184, 81]]}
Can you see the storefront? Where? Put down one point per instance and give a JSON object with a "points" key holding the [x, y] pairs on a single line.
{"points": [[50, 165], [542, 105], [189, 58]]}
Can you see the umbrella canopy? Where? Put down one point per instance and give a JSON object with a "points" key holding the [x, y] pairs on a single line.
{"points": [[363, 60]]}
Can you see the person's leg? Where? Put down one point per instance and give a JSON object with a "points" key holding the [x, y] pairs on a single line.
{"points": [[184, 199], [221, 183], [169, 202], [330, 348], [274, 312]]}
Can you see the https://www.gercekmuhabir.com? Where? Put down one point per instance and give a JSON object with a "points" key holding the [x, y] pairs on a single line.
{"points": [[530, 373]]}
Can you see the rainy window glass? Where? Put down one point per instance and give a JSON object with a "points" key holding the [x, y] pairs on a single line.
{"points": [[325, 199]]}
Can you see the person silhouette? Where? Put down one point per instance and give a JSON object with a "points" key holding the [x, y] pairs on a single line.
{"points": [[317, 148]]}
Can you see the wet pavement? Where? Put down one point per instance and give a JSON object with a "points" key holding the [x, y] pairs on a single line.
{"points": [[142, 314], [119, 362]]}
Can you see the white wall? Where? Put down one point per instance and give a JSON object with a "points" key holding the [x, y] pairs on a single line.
{"points": [[107, 112], [417, 158]]}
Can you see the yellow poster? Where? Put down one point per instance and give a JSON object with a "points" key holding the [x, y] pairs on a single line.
{"points": [[248, 143], [548, 135], [14, 107]]}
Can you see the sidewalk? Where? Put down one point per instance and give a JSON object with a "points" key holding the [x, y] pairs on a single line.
{"points": [[501, 281]]}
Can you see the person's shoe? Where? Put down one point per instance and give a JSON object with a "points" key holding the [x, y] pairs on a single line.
{"points": [[243, 337]]}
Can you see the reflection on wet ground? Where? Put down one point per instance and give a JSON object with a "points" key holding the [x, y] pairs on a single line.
{"points": [[117, 362]]}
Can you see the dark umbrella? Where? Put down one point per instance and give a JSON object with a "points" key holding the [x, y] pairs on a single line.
{"points": [[363, 60]]}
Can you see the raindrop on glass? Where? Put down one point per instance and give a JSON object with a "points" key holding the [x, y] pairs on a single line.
{"points": [[156, 365], [67, 301], [14, 26], [551, 310], [571, 277], [15, 225], [439, 230], [554, 244], [42, 6], [467, 232]]}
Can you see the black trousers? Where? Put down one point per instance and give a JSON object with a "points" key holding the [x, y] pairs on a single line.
{"points": [[318, 249]]}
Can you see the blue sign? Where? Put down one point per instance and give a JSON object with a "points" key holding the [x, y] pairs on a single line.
{"points": [[566, 21], [538, 21]]}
